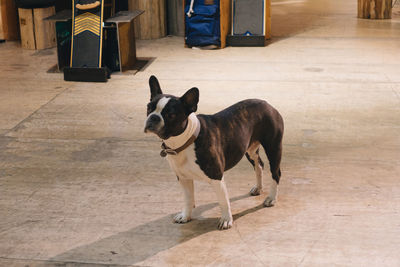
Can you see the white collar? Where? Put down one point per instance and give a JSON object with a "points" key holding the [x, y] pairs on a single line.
{"points": [[192, 128]]}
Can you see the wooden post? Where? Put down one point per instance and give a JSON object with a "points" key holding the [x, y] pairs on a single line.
{"points": [[225, 7], [375, 9], [152, 24], [37, 33], [44, 30], [26, 28], [1, 26], [267, 19], [8, 20]]}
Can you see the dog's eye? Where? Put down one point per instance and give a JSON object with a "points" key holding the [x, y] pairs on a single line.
{"points": [[171, 115]]}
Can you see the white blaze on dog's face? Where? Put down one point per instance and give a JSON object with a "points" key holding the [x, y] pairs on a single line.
{"points": [[155, 121], [167, 114]]}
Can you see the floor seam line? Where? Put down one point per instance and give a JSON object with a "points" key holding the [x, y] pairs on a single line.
{"points": [[66, 261], [33, 113]]}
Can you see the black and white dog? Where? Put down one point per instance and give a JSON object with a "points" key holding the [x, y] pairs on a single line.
{"points": [[204, 146]]}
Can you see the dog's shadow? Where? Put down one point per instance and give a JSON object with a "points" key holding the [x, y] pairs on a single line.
{"points": [[139, 243]]}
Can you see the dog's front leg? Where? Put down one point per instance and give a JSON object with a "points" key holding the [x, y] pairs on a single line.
{"points": [[188, 193], [226, 220]]}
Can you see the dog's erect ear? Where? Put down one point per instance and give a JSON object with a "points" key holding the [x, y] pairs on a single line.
{"points": [[155, 88], [190, 100]]}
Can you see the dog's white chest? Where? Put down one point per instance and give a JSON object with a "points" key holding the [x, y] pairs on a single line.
{"points": [[185, 167]]}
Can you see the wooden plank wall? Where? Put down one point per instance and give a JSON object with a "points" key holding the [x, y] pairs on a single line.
{"points": [[8, 20], [375, 9], [152, 23], [44, 30], [37, 33]]}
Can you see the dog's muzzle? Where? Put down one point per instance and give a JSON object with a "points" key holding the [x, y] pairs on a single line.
{"points": [[153, 124]]}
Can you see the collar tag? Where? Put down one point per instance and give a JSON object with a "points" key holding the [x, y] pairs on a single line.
{"points": [[164, 152]]}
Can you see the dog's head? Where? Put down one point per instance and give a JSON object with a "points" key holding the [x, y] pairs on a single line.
{"points": [[166, 114]]}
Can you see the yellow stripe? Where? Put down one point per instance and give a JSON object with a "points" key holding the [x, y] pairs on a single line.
{"points": [[96, 32], [87, 17], [101, 32], [88, 29], [95, 25], [88, 21], [83, 25], [87, 14], [73, 33], [91, 19]]}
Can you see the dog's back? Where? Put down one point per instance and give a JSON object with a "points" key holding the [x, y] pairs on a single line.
{"points": [[227, 135]]}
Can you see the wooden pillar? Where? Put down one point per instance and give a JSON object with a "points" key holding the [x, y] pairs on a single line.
{"points": [[152, 23], [267, 19], [176, 24], [8, 20], [375, 9], [225, 7], [36, 33]]}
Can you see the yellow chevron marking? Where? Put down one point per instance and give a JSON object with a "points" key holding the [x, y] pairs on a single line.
{"points": [[96, 32], [84, 25], [87, 29], [88, 19], [86, 14], [87, 22]]}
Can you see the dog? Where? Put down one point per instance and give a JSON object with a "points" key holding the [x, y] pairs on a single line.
{"points": [[203, 147]]}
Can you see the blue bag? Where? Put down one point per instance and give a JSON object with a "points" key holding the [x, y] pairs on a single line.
{"points": [[202, 23]]}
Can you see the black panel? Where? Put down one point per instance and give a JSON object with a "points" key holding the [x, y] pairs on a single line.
{"points": [[86, 50], [86, 74], [63, 31], [248, 17], [241, 40], [86, 40], [110, 49]]}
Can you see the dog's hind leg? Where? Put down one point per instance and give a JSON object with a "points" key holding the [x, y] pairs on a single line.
{"points": [[274, 154], [188, 192], [226, 220], [253, 156]]}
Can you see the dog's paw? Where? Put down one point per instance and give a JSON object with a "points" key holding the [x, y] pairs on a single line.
{"points": [[269, 202], [255, 191], [181, 218], [225, 223]]}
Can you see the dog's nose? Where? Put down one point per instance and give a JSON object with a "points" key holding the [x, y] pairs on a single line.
{"points": [[154, 118], [151, 123]]}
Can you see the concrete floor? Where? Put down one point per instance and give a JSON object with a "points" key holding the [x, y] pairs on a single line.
{"points": [[80, 183]]}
